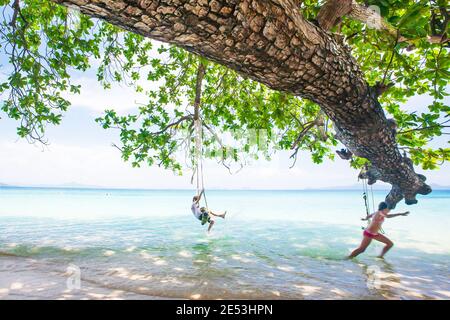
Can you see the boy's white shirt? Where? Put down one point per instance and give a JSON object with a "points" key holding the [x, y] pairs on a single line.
{"points": [[196, 210]]}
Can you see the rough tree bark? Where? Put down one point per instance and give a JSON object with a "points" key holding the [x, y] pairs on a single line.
{"points": [[270, 42]]}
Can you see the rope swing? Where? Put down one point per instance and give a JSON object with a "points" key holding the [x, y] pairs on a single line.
{"points": [[363, 176], [198, 159], [198, 131], [366, 192]]}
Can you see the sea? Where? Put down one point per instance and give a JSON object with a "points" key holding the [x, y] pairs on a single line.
{"points": [[69, 243]]}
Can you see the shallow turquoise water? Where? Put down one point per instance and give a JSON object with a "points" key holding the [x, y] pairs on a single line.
{"points": [[273, 244]]}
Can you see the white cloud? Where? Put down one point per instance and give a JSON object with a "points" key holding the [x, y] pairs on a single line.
{"points": [[25, 164]]}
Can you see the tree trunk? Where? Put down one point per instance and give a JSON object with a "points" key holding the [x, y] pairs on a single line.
{"points": [[270, 42]]}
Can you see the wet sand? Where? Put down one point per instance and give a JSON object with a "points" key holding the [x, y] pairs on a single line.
{"points": [[27, 279], [24, 278]]}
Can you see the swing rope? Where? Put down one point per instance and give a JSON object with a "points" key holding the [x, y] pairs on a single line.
{"points": [[199, 160], [198, 129], [365, 193], [203, 183], [367, 201], [373, 199]]}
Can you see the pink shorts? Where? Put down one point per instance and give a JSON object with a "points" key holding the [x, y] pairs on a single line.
{"points": [[369, 234]]}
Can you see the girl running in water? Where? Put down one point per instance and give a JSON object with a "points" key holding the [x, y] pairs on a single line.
{"points": [[372, 231]]}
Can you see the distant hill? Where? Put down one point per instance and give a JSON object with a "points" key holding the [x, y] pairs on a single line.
{"points": [[64, 185], [76, 185], [358, 187], [355, 187], [376, 186]]}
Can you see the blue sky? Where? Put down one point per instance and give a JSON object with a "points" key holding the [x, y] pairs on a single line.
{"points": [[80, 152]]}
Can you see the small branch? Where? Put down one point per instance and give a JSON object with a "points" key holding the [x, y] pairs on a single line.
{"points": [[172, 125], [371, 18], [294, 156], [214, 134], [296, 119], [344, 154], [381, 87], [331, 13], [317, 122], [423, 128], [302, 134], [117, 147], [16, 6], [390, 63]]}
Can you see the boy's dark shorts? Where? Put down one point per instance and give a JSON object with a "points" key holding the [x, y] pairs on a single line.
{"points": [[204, 218]]}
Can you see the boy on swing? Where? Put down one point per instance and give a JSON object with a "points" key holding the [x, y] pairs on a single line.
{"points": [[372, 231], [203, 214]]}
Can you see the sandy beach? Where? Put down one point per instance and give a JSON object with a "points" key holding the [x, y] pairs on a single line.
{"points": [[31, 280]]}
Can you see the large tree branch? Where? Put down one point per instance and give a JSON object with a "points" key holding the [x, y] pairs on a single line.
{"points": [[270, 42]]}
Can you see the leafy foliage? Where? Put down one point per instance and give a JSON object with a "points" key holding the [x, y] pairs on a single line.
{"points": [[242, 119], [40, 48]]}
